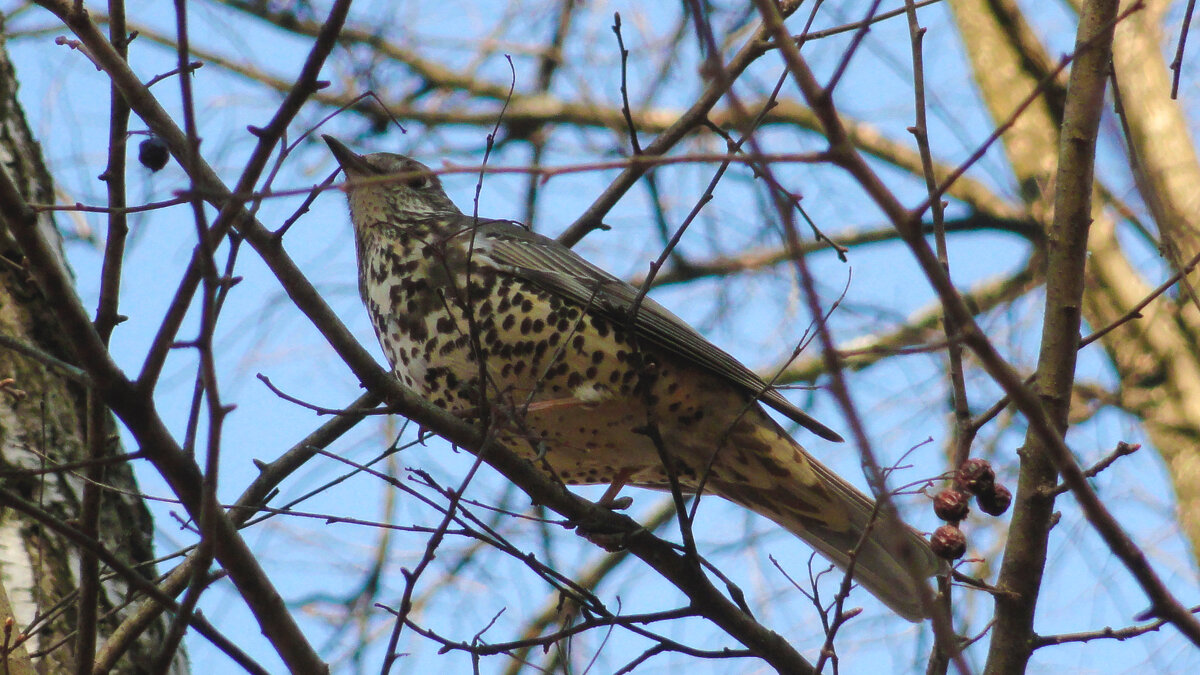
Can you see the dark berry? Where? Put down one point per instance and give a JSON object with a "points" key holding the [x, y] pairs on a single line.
{"points": [[976, 476], [153, 153], [951, 505], [948, 542], [995, 501]]}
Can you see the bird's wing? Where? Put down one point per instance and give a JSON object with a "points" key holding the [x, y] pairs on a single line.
{"points": [[560, 270]]}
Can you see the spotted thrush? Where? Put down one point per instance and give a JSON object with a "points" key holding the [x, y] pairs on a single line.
{"points": [[481, 315]]}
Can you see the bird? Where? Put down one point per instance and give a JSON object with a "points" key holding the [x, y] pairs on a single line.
{"points": [[577, 367]]}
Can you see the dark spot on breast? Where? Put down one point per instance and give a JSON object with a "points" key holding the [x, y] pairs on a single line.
{"points": [[600, 325]]}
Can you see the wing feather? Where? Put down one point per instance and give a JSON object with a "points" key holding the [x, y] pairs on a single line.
{"points": [[560, 270]]}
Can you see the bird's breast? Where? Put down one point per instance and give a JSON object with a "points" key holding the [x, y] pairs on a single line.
{"points": [[570, 383], [439, 315]]}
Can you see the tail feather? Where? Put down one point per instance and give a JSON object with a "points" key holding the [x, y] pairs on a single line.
{"points": [[876, 567], [831, 515]]}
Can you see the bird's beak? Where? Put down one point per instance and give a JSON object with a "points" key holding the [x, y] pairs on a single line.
{"points": [[352, 163]]}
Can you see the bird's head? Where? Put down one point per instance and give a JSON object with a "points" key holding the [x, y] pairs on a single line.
{"points": [[389, 184]]}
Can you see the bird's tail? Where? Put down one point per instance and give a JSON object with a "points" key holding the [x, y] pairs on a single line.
{"points": [[828, 513]]}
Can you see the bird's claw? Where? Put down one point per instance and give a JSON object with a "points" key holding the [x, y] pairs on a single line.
{"points": [[617, 503], [607, 539]]}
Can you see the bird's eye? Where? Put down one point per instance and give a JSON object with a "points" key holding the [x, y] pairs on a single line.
{"points": [[418, 182]]}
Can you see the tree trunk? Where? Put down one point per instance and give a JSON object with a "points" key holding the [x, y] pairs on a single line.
{"points": [[43, 423]]}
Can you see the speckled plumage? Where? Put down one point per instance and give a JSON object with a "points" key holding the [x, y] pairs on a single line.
{"points": [[574, 379]]}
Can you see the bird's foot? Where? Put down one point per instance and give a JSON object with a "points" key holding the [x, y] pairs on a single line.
{"points": [[612, 542], [610, 500], [617, 503], [604, 537], [602, 534]]}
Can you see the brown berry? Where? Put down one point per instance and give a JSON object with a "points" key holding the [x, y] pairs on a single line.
{"points": [[948, 542], [995, 501], [976, 476], [951, 505], [153, 153]]}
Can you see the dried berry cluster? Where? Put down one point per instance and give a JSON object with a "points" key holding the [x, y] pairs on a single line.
{"points": [[974, 477]]}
